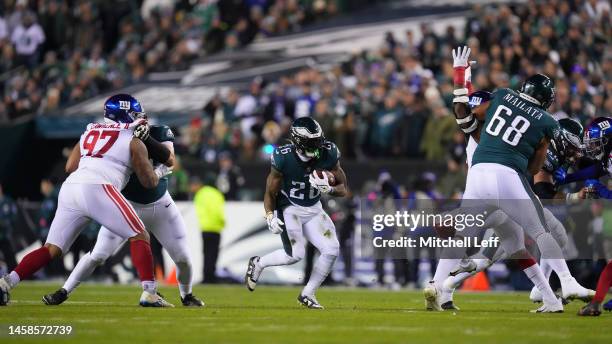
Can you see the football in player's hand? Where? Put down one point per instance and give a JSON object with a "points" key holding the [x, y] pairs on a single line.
{"points": [[330, 176]]}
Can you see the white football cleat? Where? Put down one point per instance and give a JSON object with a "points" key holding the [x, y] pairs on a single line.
{"points": [[535, 296], [466, 265], [252, 273], [153, 300], [430, 292], [572, 290], [556, 307]]}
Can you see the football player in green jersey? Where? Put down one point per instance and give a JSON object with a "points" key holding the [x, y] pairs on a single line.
{"points": [[293, 207], [517, 132], [161, 217]]}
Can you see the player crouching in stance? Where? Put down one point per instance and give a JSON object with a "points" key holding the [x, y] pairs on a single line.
{"points": [[161, 217], [100, 165], [293, 208]]}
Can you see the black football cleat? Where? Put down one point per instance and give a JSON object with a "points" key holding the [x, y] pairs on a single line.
{"points": [[57, 298], [309, 302], [191, 301], [590, 310], [5, 296], [448, 306]]}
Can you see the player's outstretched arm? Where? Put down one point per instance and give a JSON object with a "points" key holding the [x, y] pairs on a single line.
{"points": [[341, 187], [467, 119], [141, 165], [273, 186], [73, 159]]}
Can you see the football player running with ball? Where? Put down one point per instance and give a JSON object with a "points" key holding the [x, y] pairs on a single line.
{"points": [[300, 173], [158, 212]]}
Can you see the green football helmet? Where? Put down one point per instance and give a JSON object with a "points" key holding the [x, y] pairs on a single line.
{"points": [[568, 142], [307, 136], [541, 88]]}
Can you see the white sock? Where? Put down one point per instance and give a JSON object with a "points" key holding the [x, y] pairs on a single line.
{"points": [[551, 252], [275, 258], [546, 268], [559, 266], [183, 275], [534, 273], [13, 279], [149, 286], [445, 265], [84, 268], [321, 269], [184, 289]]}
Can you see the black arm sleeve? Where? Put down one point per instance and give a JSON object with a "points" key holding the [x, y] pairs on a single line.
{"points": [[544, 190], [157, 151]]}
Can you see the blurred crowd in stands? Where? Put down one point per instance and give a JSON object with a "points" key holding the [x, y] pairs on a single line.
{"points": [[394, 99], [57, 52]]}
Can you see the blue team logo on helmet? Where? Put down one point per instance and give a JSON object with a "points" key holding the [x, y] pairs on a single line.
{"points": [[597, 137], [122, 108], [479, 97]]}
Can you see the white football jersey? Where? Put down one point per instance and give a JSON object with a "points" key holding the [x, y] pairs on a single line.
{"points": [[105, 155], [469, 150]]}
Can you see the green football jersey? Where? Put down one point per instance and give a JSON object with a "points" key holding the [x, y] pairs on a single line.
{"points": [[134, 191], [296, 188], [512, 130]]}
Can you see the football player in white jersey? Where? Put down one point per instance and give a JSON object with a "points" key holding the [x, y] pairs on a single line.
{"points": [[162, 218], [99, 166]]}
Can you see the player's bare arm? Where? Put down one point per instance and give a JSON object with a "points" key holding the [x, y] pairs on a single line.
{"points": [[470, 121], [73, 159], [141, 165], [539, 156], [341, 187], [171, 160], [273, 186]]}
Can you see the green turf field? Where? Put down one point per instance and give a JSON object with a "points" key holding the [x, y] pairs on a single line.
{"points": [[109, 314]]}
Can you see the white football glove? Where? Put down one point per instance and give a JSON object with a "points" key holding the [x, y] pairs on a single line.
{"points": [[321, 184], [461, 56], [162, 171], [142, 132], [275, 225]]}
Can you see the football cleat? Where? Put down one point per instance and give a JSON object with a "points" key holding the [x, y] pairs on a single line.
{"points": [[252, 273], [556, 307], [5, 296], [153, 300], [608, 306], [535, 296], [430, 292], [468, 266], [309, 302], [571, 290], [449, 305], [191, 301], [590, 310], [57, 298]]}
